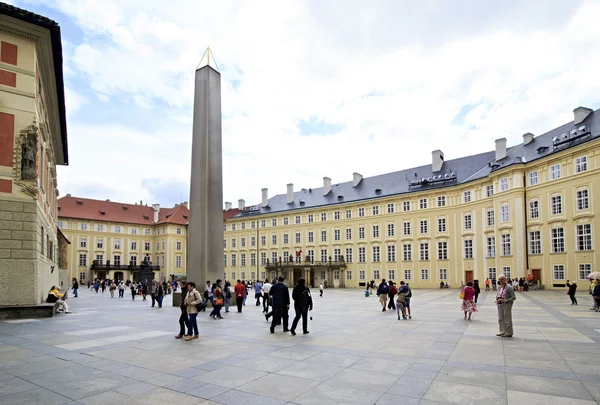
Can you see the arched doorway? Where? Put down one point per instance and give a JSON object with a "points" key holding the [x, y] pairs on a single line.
{"points": [[118, 276]]}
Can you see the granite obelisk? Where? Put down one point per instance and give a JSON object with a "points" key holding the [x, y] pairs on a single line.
{"points": [[205, 228]]}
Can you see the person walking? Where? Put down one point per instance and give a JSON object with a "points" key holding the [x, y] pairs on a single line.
{"points": [[487, 284], [477, 289], [246, 293], [596, 294], [258, 292], [571, 292], [266, 291], [153, 289], [382, 293], [208, 294], [407, 301], [121, 289], [281, 304], [240, 291], [103, 286], [75, 288], [192, 299], [133, 288], [392, 291], [468, 300], [494, 284], [228, 293], [321, 290], [401, 300], [160, 294], [302, 304], [504, 300], [112, 289], [183, 318], [218, 301]]}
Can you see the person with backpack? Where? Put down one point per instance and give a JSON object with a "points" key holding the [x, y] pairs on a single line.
{"points": [[407, 301], [382, 293], [393, 290], [401, 300], [302, 304], [160, 293], [227, 293]]}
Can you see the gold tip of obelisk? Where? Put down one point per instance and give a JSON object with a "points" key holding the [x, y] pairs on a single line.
{"points": [[208, 60]]}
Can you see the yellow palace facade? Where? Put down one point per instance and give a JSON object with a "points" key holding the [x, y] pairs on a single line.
{"points": [[526, 209]]}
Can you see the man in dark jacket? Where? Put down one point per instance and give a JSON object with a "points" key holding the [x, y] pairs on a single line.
{"points": [[160, 293], [302, 304], [183, 318], [281, 304]]}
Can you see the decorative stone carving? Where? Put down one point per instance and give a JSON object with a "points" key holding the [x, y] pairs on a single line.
{"points": [[25, 160]]}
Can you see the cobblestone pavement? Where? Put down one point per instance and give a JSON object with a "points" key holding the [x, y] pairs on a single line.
{"points": [[124, 352]]}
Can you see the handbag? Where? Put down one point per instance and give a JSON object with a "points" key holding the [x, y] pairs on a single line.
{"points": [[462, 295], [219, 301]]}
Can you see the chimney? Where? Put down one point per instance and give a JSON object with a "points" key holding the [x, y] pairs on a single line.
{"points": [[107, 200], [581, 113], [500, 148], [326, 185], [156, 208], [241, 204], [265, 197], [356, 178], [527, 138], [437, 160], [290, 193], [227, 205], [185, 204], [68, 195]]}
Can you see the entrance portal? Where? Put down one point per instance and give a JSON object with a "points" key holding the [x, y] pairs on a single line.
{"points": [[118, 276], [468, 276]]}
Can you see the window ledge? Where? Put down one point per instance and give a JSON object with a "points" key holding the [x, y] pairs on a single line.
{"points": [[583, 215], [505, 225], [557, 219]]}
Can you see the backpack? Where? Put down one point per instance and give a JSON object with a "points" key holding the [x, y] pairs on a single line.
{"points": [[384, 289], [305, 298], [51, 298], [394, 290]]}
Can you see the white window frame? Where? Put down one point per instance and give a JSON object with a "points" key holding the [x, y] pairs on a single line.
{"points": [[504, 184], [555, 171], [558, 272], [533, 178], [581, 164]]}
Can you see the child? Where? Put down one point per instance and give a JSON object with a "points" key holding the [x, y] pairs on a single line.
{"points": [[401, 300]]}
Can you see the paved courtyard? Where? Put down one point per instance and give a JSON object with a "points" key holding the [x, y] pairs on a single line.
{"points": [[115, 351]]}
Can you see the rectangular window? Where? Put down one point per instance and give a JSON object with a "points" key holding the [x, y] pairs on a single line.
{"points": [[362, 256], [584, 237], [424, 226], [273, 257], [584, 271], [405, 206], [253, 224], [391, 274], [82, 242], [337, 255], [323, 236], [134, 231], [336, 274], [492, 273], [407, 274], [117, 260], [489, 190], [298, 237], [323, 216], [233, 243], [286, 238], [467, 197], [361, 232], [311, 237], [533, 178], [263, 240], [534, 209], [286, 221], [423, 203], [361, 275], [336, 234], [134, 245], [443, 274], [348, 214], [376, 231], [390, 208], [118, 228], [468, 222], [310, 218], [133, 260], [559, 272], [391, 253], [441, 225], [84, 227], [583, 202], [118, 243], [424, 251], [556, 202], [148, 231], [376, 254], [243, 226], [424, 274], [147, 246], [407, 252], [376, 210], [263, 258], [348, 274], [233, 227], [274, 222], [442, 250], [468, 249], [555, 172], [263, 223], [491, 246], [361, 212], [491, 217], [253, 241], [82, 275], [348, 233], [82, 260], [390, 229], [558, 240], [233, 259], [406, 228], [348, 255], [506, 246], [504, 184], [323, 255], [535, 243], [336, 215], [504, 213], [253, 259], [243, 242], [506, 272], [376, 275], [298, 220], [441, 201], [581, 164], [100, 228]]}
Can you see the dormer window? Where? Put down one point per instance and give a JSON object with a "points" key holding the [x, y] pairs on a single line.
{"points": [[102, 212], [146, 217], [79, 202], [125, 207]]}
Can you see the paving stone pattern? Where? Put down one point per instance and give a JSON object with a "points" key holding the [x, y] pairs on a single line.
{"points": [[115, 351]]}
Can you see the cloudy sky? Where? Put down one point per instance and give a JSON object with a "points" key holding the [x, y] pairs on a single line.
{"points": [[311, 88]]}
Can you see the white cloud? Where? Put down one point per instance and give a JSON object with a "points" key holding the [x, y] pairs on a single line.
{"points": [[394, 75]]}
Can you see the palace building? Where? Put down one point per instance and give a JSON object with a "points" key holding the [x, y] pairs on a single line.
{"points": [[525, 209], [33, 141]]}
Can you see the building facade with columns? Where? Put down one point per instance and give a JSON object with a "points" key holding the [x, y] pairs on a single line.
{"points": [[33, 141], [519, 210]]}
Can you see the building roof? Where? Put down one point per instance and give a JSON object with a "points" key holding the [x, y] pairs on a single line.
{"points": [[466, 169], [55, 39]]}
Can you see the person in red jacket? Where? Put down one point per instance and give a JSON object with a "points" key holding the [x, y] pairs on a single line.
{"points": [[240, 293]]}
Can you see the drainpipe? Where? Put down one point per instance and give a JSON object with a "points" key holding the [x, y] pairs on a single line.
{"points": [[526, 224]]}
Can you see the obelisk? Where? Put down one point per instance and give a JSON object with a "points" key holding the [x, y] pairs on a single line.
{"points": [[205, 228]]}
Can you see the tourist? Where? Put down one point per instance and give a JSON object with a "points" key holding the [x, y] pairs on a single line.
{"points": [[56, 297], [596, 294], [240, 291], [245, 284], [402, 292], [321, 290], [477, 289], [468, 300], [75, 287], [382, 293], [96, 286], [494, 283], [133, 288], [89, 283], [153, 289], [571, 292], [266, 290], [258, 292], [281, 304], [392, 291], [160, 293], [218, 301], [504, 300], [441, 285], [192, 299], [103, 286], [487, 284], [112, 289], [208, 295], [228, 294], [183, 318], [302, 304], [407, 301], [591, 290], [121, 289]]}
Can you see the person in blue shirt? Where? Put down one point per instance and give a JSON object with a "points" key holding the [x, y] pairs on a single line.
{"points": [[257, 292]]}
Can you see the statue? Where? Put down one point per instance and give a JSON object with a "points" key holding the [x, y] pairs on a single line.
{"points": [[29, 157]]}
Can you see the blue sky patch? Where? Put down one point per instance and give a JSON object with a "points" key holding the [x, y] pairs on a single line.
{"points": [[314, 126]]}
